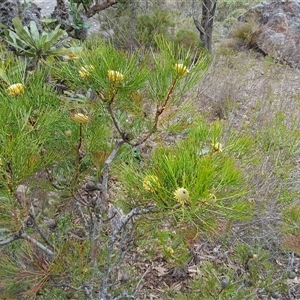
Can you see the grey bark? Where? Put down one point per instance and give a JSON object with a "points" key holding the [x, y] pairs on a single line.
{"points": [[205, 26], [133, 20]]}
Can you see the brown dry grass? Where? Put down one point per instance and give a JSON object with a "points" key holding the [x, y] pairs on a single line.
{"points": [[250, 92]]}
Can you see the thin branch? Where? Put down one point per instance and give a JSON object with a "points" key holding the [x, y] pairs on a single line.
{"points": [[38, 244], [75, 236], [64, 284], [78, 158], [124, 134], [140, 281], [111, 113], [152, 130], [170, 92], [197, 23], [102, 294], [31, 214], [10, 240], [124, 296], [123, 222], [85, 287], [81, 215], [99, 7], [102, 202], [159, 111]]}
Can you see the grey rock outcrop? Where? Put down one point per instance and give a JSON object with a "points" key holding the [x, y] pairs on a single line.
{"points": [[12, 8], [278, 33], [61, 14], [32, 13], [8, 10]]}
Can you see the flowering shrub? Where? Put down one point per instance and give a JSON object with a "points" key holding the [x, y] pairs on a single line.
{"points": [[73, 193]]}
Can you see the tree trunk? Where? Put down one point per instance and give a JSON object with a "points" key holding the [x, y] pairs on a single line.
{"points": [[205, 27], [133, 20], [94, 9]]}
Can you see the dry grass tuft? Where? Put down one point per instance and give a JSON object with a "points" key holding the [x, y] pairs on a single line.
{"points": [[245, 32]]}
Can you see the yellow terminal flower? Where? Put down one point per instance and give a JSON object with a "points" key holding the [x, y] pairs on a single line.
{"points": [[115, 76], [212, 199], [182, 195], [16, 89], [81, 118], [170, 250], [85, 71], [68, 133], [181, 69], [217, 147], [151, 183]]}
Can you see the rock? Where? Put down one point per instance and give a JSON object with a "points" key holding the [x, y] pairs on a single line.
{"points": [[21, 189], [51, 223], [61, 14], [59, 10], [32, 13], [278, 33], [47, 7], [8, 10]]}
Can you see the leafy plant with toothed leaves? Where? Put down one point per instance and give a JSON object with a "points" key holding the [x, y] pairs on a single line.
{"points": [[36, 45]]}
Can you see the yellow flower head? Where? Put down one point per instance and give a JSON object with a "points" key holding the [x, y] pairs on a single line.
{"points": [[212, 199], [182, 195], [85, 71], [81, 118], [68, 133], [217, 147], [181, 69], [151, 183], [16, 89], [115, 76], [170, 250]]}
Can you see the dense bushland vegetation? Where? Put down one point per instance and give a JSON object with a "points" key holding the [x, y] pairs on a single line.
{"points": [[114, 170]]}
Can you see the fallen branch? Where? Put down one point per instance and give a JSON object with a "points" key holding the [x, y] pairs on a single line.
{"points": [[10, 240], [25, 236]]}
